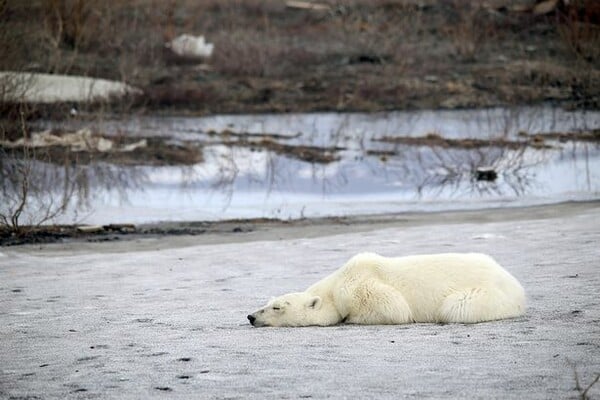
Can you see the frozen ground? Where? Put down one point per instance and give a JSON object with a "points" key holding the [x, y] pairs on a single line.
{"points": [[155, 318]]}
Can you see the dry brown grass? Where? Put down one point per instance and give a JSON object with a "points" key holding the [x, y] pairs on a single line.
{"points": [[359, 54], [579, 26], [468, 29]]}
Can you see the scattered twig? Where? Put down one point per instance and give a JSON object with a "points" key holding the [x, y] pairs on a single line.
{"points": [[583, 393]]}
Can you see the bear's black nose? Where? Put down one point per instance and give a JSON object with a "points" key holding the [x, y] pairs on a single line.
{"points": [[251, 318]]}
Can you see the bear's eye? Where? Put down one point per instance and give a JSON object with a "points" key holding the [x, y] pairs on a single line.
{"points": [[276, 308]]}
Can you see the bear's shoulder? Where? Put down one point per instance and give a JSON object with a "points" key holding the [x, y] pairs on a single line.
{"points": [[365, 258]]}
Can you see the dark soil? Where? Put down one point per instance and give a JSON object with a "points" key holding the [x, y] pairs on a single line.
{"points": [[311, 154], [105, 233], [59, 233], [194, 233], [435, 140], [584, 136]]}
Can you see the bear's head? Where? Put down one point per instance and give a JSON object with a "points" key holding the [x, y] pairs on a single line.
{"points": [[295, 309]]}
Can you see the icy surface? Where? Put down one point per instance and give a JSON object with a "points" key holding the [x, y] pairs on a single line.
{"points": [[368, 176], [137, 324]]}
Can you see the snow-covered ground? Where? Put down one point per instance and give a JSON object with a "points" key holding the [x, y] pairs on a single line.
{"points": [[141, 318], [51, 88]]}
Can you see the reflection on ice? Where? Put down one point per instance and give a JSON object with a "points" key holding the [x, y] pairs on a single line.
{"points": [[303, 165], [350, 130]]}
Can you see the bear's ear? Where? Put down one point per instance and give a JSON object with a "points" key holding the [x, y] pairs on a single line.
{"points": [[314, 303]]}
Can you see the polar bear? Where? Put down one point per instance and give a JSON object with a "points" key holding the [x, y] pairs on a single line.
{"points": [[371, 289]]}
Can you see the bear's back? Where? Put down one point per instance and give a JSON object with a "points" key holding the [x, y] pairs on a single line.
{"points": [[427, 279], [445, 269]]}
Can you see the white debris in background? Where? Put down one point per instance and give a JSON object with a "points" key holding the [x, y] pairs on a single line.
{"points": [[305, 5], [133, 146], [82, 140], [49, 88], [191, 46], [545, 7]]}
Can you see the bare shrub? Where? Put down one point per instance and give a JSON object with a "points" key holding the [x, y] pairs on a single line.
{"points": [[240, 54], [13, 87], [37, 184], [579, 26], [468, 30], [382, 33], [66, 21], [455, 168], [35, 190], [29, 194], [583, 391], [27, 190]]}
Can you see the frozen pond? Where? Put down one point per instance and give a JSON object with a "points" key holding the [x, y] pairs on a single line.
{"points": [[329, 164]]}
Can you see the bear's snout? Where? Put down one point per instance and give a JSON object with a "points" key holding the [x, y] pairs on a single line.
{"points": [[251, 318]]}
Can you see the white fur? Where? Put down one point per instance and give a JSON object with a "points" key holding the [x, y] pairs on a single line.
{"points": [[371, 289]]}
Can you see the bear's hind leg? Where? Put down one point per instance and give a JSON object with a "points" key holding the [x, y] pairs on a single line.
{"points": [[376, 303], [478, 305]]}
